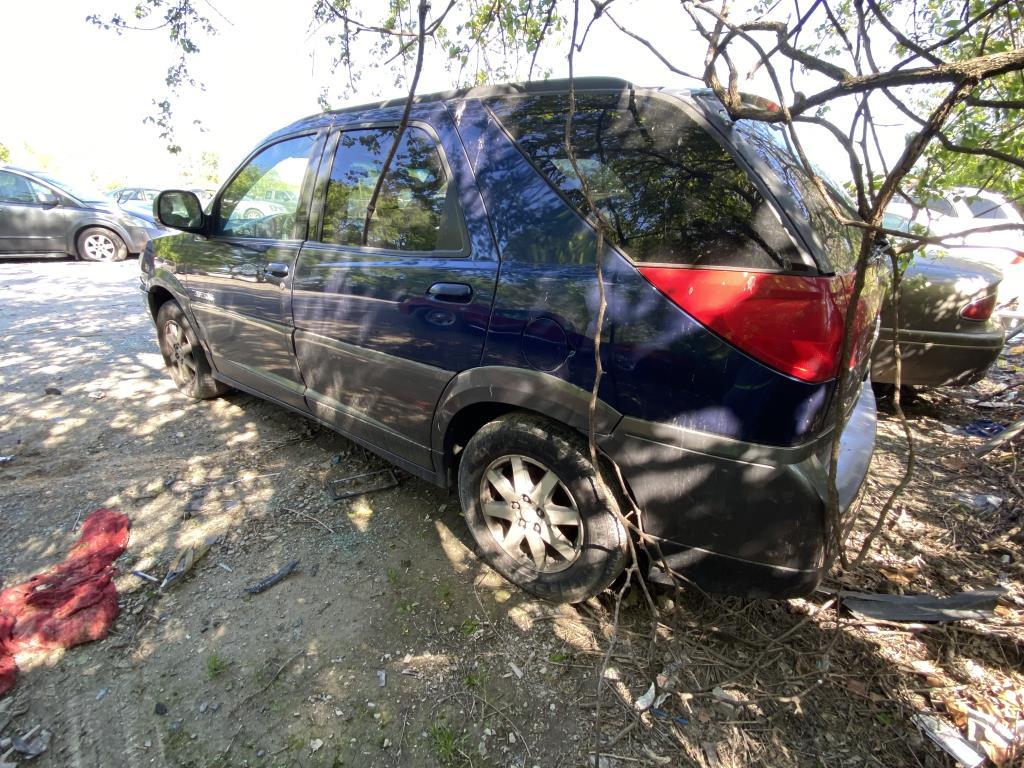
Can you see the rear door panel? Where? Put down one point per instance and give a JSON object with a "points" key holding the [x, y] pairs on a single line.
{"points": [[375, 346]]}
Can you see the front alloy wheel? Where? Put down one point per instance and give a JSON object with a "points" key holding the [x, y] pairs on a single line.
{"points": [[183, 354], [182, 364], [98, 244]]}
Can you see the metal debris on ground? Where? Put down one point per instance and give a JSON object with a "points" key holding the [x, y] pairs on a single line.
{"points": [[357, 485], [267, 583], [983, 428], [1002, 438], [979, 502], [949, 738], [382, 678], [146, 577], [187, 558], [27, 746], [978, 604]]}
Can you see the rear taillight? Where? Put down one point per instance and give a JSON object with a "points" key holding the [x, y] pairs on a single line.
{"points": [[790, 322], [1019, 258], [979, 309]]}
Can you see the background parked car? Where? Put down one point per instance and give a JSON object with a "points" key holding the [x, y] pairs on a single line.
{"points": [[42, 216], [284, 197], [947, 334], [967, 208], [136, 200], [204, 195]]}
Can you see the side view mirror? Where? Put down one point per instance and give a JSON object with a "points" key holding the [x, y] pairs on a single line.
{"points": [[48, 199], [179, 209]]}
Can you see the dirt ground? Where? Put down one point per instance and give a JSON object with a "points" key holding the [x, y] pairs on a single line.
{"points": [[391, 645]]}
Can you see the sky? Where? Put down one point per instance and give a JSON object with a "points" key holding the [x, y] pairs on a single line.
{"points": [[77, 102]]}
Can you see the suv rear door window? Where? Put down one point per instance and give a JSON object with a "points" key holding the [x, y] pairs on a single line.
{"points": [[416, 208], [669, 191]]}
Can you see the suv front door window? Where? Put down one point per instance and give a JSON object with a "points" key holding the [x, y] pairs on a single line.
{"points": [[247, 207], [240, 278]]}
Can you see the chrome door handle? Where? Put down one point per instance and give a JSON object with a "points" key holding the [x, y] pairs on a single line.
{"points": [[459, 293]]}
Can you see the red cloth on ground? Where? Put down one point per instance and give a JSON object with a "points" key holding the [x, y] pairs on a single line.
{"points": [[71, 603]]}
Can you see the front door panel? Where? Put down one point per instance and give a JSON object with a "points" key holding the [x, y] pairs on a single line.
{"points": [[239, 280], [30, 221], [243, 306]]}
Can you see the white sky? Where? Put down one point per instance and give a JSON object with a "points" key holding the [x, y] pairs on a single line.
{"points": [[77, 95]]}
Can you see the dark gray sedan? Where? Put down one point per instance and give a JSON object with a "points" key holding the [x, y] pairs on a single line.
{"points": [[41, 216], [947, 334]]}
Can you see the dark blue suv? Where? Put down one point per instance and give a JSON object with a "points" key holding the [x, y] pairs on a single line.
{"points": [[445, 317]]}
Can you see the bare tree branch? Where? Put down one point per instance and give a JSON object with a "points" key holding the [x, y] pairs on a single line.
{"points": [[371, 206]]}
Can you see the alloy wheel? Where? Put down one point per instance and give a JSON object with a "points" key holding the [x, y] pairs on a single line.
{"points": [[181, 358], [531, 514], [99, 247]]}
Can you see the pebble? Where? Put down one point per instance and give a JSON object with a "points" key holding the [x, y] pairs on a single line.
{"points": [[160, 709], [205, 705]]}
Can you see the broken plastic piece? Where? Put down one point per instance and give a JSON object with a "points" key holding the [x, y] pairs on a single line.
{"points": [[347, 487], [978, 604], [949, 738], [187, 558]]}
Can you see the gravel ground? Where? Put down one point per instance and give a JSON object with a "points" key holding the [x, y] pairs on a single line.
{"points": [[391, 644]]}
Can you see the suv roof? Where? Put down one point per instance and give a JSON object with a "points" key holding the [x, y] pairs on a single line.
{"points": [[475, 92]]}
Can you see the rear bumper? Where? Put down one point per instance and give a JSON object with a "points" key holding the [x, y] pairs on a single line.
{"points": [[932, 359], [740, 518]]}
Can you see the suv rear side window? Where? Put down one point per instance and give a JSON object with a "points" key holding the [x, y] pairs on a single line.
{"points": [[416, 209], [670, 193], [841, 243]]}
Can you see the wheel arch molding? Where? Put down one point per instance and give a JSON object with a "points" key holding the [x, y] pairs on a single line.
{"points": [[478, 395]]}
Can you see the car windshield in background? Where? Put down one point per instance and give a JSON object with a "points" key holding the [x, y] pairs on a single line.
{"points": [[82, 191]]}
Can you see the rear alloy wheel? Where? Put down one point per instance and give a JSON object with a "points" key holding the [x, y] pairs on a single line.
{"points": [[98, 244], [184, 356], [537, 511], [253, 213]]}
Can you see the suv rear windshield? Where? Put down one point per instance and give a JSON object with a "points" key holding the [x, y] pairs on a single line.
{"points": [[669, 192]]}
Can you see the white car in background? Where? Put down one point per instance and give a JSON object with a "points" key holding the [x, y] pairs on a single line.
{"points": [[966, 208]]}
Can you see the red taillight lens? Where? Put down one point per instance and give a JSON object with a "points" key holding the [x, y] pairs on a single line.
{"points": [[979, 309], [790, 322], [1019, 258]]}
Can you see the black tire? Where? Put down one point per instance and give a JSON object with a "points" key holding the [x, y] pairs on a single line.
{"points": [[596, 535], [99, 244], [184, 356]]}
